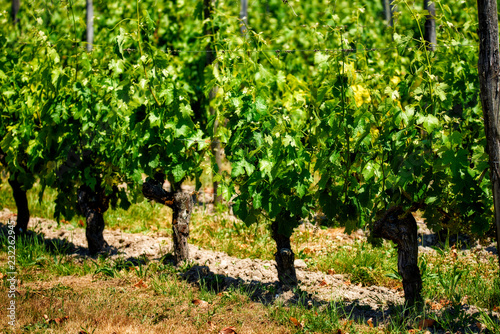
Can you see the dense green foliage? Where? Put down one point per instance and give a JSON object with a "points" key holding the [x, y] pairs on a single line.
{"points": [[378, 118], [100, 119], [330, 110]]}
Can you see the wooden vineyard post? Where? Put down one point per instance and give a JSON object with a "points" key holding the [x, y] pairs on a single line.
{"points": [[430, 25], [388, 9], [211, 55], [16, 5], [182, 206], [244, 17], [401, 228], [90, 25], [489, 70]]}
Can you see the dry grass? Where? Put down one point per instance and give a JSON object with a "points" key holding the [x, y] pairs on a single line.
{"points": [[97, 305], [106, 305]]}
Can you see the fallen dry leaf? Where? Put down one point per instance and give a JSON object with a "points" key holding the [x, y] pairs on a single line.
{"points": [[307, 250], [211, 326], [60, 320], [200, 303], [370, 322], [348, 282], [445, 302], [80, 223], [436, 306], [296, 322], [56, 320], [331, 271], [154, 228], [480, 326], [228, 330], [426, 323], [140, 284], [323, 283], [2, 275], [348, 322]]}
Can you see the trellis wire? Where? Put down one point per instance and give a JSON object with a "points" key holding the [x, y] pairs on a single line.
{"points": [[279, 51]]}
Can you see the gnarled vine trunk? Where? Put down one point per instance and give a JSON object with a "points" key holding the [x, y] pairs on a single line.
{"points": [[182, 206], [23, 212], [284, 256], [19, 194], [401, 228], [93, 205]]}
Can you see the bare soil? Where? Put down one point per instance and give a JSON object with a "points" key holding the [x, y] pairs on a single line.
{"points": [[219, 271]]}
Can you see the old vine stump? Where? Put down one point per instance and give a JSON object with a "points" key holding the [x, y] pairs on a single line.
{"points": [[182, 206], [23, 212], [284, 256], [401, 228], [92, 205]]}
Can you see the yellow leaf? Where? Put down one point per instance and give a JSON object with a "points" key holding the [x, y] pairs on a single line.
{"points": [[395, 80], [361, 95]]}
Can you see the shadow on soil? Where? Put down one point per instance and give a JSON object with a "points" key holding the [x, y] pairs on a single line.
{"points": [[265, 293]]}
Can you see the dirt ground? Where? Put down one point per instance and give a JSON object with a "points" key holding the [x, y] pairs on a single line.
{"points": [[221, 270]]}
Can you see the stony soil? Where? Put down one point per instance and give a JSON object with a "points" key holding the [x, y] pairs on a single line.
{"points": [[218, 270]]}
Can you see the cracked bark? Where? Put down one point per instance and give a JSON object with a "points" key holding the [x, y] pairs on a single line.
{"points": [[23, 212], [489, 71], [92, 205], [284, 256], [19, 194], [182, 206], [401, 228]]}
